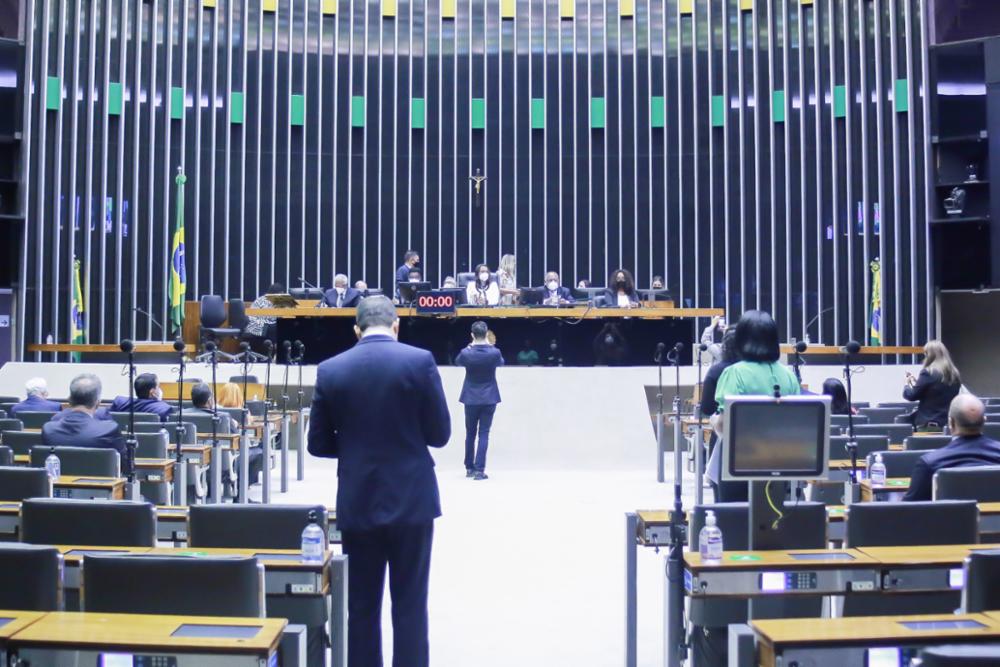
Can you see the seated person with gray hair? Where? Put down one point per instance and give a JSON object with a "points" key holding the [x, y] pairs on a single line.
{"points": [[341, 295], [204, 404], [969, 447], [78, 426], [37, 391]]}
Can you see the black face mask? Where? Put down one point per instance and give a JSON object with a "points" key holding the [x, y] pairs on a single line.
{"points": [[620, 284]]}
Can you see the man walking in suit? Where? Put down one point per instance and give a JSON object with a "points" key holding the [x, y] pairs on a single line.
{"points": [[78, 427], [377, 408], [480, 396]]}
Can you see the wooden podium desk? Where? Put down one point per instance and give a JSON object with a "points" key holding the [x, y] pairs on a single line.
{"points": [[69, 638], [895, 488], [865, 641], [89, 487], [154, 470], [12, 622]]}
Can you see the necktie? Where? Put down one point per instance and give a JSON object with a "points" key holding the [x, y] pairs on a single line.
{"points": [[340, 300]]}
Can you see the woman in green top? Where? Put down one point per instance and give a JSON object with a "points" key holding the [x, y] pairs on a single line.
{"points": [[756, 375]]}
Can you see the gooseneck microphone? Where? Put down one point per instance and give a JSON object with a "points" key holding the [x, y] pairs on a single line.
{"points": [[852, 347], [658, 355], [801, 346], [179, 349], [269, 353], [131, 444]]}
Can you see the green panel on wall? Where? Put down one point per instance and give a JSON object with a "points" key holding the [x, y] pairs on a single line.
{"points": [[657, 111], [718, 111], [298, 110], [114, 99], [478, 113], [778, 106], [418, 113], [176, 103], [839, 101], [538, 113], [53, 93], [902, 95], [597, 119], [357, 111], [236, 108]]}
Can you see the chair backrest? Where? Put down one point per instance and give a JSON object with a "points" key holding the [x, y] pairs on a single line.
{"points": [[173, 585], [897, 433], [257, 408], [189, 434], [866, 445], [17, 483], [897, 464], [238, 379], [907, 406], [151, 445], [464, 278], [861, 404], [251, 526], [843, 421], [11, 424], [35, 419], [879, 524], [234, 413], [111, 523], [992, 430], [237, 314], [213, 310], [926, 442], [203, 423], [981, 589], [16, 399], [30, 577], [121, 418], [21, 441], [96, 461], [881, 415], [979, 483], [960, 655], [6, 456], [803, 525]]}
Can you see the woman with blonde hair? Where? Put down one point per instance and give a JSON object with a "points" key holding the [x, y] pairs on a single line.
{"points": [[507, 279], [938, 383], [230, 396]]}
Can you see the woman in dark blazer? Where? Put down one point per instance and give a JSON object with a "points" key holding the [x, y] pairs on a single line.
{"points": [[480, 396], [621, 291], [935, 387]]}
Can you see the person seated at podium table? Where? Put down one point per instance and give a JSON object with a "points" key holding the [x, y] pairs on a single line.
{"points": [[78, 425], [657, 283], [621, 291], [37, 398], [341, 295], [148, 398], [361, 286], [553, 293], [483, 291], [969, 447]]}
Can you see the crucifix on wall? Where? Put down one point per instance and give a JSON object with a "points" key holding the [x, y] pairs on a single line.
{"points": [[478, 180]]}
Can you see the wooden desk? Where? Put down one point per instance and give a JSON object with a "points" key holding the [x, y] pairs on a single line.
{"points": [[140, 348], [522, 312], [284, 570], [15, 621], [170, 390], [833, 350], [141, 633], [154, 470], [89, 487], [893, 486], [200, 454], [845, 641]]}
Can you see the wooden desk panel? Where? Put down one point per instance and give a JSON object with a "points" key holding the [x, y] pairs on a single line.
{"points": [[163, 467], [113, 485], [270, 564], [73, 560], [19, 621], [942, 554], [768, 560], [573, 312], [892, 485], [140, 348], [170, 390], [834, 350], [875, 629]]}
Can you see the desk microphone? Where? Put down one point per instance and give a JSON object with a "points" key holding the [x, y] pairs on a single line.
{"points": [[852, 347], [801, 347], [127, 346], [703, 347], [660, 349], [307, 283]]}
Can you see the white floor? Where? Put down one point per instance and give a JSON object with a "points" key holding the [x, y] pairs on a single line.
{"points": [[528, 566]]}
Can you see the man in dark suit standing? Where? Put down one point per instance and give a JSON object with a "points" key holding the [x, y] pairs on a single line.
{"points": [[377, 408], [480, 396], [341, 295], [969, 447], [411, 260], [77, 425]]}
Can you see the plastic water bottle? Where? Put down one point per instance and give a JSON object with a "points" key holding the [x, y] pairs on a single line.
{"points": [[52, 465], [710, 541], [312, 541], [877, 473]]}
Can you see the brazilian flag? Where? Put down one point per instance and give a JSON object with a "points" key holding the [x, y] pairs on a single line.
{"points": [[875, 331], [77, 334], [177, 289]]}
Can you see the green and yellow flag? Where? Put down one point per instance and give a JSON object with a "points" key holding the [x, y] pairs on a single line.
{"points": [[77, 334], [177, 289], [875, 332]]}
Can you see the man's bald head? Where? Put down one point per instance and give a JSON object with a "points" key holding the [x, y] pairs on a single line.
{"points": [[966, 415]]}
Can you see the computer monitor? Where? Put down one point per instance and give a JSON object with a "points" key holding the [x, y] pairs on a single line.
{"points": [[532, 296], [408, 291], [656, 295], [776, 439], [306, 293], [587, 293]]}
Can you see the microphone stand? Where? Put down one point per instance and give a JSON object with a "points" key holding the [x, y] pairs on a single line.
{"points": [[675, 647], [131, 444], [852, 444], [216, 449], [242, 492], [180, 470], [269, 352], [660, 474], [699, 437], [301, 460]]}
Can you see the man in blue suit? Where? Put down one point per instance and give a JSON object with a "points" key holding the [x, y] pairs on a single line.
{"points": [[78, 426], [553, 293], [377, 408], [148, 398], [342, 295], [37, 391], [480, 396]]}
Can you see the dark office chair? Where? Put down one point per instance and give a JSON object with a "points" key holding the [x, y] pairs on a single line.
{"points": [[979, 483], [189, 435], [896, 433], [18, 483], [881, 415], [121, 418], [989, 430], [464, 278], [213, 317], [234, 413], [110, 523], [30, 577], [203, 423], [21, 442], [32, 419], [15, 399], [238, 379], [897, 464], [861, 404], [907, 406], [238, 315], [843, 421], [981, 589], [867, 444], [251, 526], [256, 408], [970, 655], [176, 586], [6, 456], [9, 424], [924, 443], [909, 524], [93, 461], [152, 445]]}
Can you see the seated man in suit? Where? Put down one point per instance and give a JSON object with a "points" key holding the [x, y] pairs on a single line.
{"points": [[77, 426], [37, 391], [148, 398], [342, 295], [969, 447], [553, 293], [204, 404]]}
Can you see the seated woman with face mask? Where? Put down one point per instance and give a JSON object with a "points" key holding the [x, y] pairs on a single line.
{"points": [[483, 291], [621, 291]]}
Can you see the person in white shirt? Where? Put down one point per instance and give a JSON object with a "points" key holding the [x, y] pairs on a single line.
{"points": [[621, 291], [483, 291]]}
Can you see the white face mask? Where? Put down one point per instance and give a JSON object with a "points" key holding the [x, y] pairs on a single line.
{"points": [[552, 285], [484, 276], [341, 290], [414, 280]]}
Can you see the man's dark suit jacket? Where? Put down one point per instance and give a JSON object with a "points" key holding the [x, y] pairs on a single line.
{"points": [[377, 408], [962, 452], [935, 398], [352, 298], [152, 405], [563, 292], [481, 363], [35, 404], [73, 428]]}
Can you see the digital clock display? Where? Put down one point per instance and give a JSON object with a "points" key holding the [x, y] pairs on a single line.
{"points": [[436, 302]]}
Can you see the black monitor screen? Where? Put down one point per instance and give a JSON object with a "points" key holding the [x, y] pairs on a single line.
{"points": [[776, 439]]}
